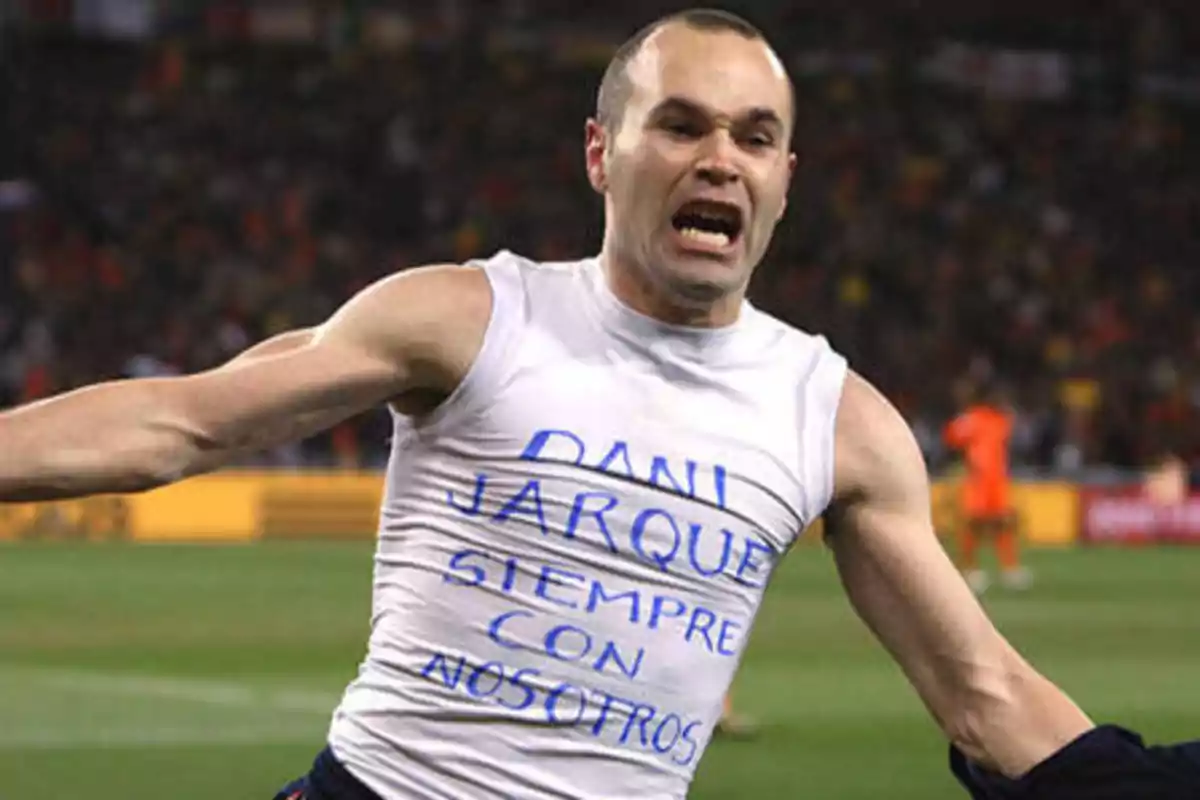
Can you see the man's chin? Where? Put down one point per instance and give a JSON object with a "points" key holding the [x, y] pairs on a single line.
{"points": [[700, 281]]}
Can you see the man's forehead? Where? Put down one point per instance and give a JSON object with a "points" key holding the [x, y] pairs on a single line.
{"points": [[722, 70]]}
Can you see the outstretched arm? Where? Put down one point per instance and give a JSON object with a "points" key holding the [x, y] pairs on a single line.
{"points": [[987, 699], [417, 330]]}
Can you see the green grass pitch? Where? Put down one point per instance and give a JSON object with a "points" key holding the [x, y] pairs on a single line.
{"points": [[202, 672]]}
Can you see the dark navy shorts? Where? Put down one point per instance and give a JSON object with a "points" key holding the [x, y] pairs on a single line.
{"points": [[327, 780]]}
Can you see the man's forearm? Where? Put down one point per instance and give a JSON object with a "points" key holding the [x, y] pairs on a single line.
{"points": [[111, 437]]}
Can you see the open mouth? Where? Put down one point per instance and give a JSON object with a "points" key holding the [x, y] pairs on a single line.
{"points": [[709, 223]]}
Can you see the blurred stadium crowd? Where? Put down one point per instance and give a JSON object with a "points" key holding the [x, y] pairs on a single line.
{"points": [[947, 223]]}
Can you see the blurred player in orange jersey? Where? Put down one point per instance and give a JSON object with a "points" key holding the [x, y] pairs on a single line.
{"points": [[733, 724], [982, 433]]}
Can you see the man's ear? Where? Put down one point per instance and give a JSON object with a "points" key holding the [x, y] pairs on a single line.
{"points": [[792, 160], [595, 152]]}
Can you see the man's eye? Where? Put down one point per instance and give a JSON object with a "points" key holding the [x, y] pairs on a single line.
{"points": [[681, 129]]}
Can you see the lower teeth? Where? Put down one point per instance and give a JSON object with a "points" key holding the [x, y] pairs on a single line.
{"points": [[707, 237]]}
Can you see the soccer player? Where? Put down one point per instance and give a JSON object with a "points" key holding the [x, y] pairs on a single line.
{"points": [[597, 466], [983, 433]]}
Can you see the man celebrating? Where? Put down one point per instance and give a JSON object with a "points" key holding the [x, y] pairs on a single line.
{"points": [[597, 466]]}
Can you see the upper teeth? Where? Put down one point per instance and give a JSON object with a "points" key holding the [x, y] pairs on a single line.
{"points": [[708, 237]]}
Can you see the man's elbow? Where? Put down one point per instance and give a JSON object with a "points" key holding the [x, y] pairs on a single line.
{"points": [[1011, 718], [984, 701], [177, 454], [167, 443]]}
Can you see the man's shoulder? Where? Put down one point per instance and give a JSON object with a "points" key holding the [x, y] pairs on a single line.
{"points": [[865, 412], [459, 289], [428, 287], [428, 318], [875, 447], [512, 260]]}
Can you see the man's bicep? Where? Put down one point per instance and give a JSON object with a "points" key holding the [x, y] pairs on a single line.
{"points": [[896, 573], [279, 343], [904, 586]]}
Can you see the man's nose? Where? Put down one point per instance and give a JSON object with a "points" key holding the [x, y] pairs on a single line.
{"points": [[718, 161]]}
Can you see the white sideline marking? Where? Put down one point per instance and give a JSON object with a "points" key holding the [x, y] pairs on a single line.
{"points": [[147, 737], [209, 692], [311, 708]]}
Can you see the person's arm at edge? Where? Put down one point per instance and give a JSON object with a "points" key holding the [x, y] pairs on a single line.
{"points": [[989, 701], [419, 329]]}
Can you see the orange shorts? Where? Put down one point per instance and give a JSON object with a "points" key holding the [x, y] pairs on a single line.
{"points": [[986, 499]]}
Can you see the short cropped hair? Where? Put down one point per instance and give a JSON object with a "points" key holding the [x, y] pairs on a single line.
{"points": [[615, 88]]}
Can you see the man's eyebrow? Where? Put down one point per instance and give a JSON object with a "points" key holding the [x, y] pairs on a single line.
{"points": [[758, 116]]}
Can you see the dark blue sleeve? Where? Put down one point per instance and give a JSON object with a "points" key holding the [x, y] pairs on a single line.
{"points": [[1107, 763]]}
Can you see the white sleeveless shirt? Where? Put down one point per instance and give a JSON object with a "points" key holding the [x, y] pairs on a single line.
{"points": [[574, 545]]}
